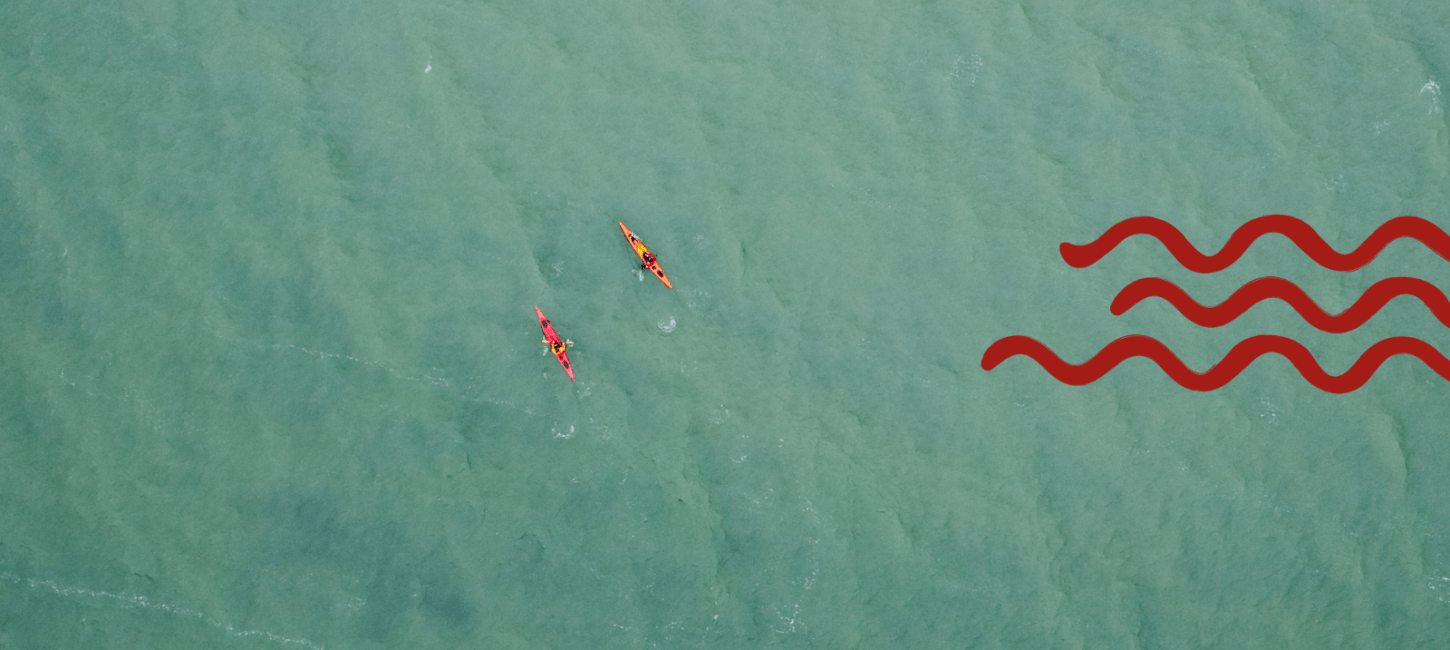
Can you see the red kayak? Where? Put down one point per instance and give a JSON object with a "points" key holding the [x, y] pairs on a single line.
{"points": [[645, 257], [558, 347]]}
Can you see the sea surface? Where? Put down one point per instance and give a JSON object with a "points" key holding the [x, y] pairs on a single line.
{"points": [[271, 378]]}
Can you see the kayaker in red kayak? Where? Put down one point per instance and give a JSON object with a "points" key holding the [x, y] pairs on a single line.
{"points": [[559, 347]]}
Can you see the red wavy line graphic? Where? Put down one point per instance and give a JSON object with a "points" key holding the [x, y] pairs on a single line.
{"points": [[1302, 234], [1232, 364], [1373, 299]]}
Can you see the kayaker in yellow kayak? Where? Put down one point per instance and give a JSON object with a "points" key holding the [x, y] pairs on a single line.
{"points": [[649, 262]]}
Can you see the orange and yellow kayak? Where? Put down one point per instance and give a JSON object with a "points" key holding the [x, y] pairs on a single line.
{"points": [[556, 346], [645, 257]]}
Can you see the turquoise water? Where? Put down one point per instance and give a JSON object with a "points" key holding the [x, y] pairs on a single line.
{"points": [[270, 375]]}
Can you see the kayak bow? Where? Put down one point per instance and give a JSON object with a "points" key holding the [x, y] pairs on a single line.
{"points": [[551, 338], [645, 256]]}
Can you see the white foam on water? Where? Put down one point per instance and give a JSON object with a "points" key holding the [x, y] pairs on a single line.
{"points": [[146, 603]]}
